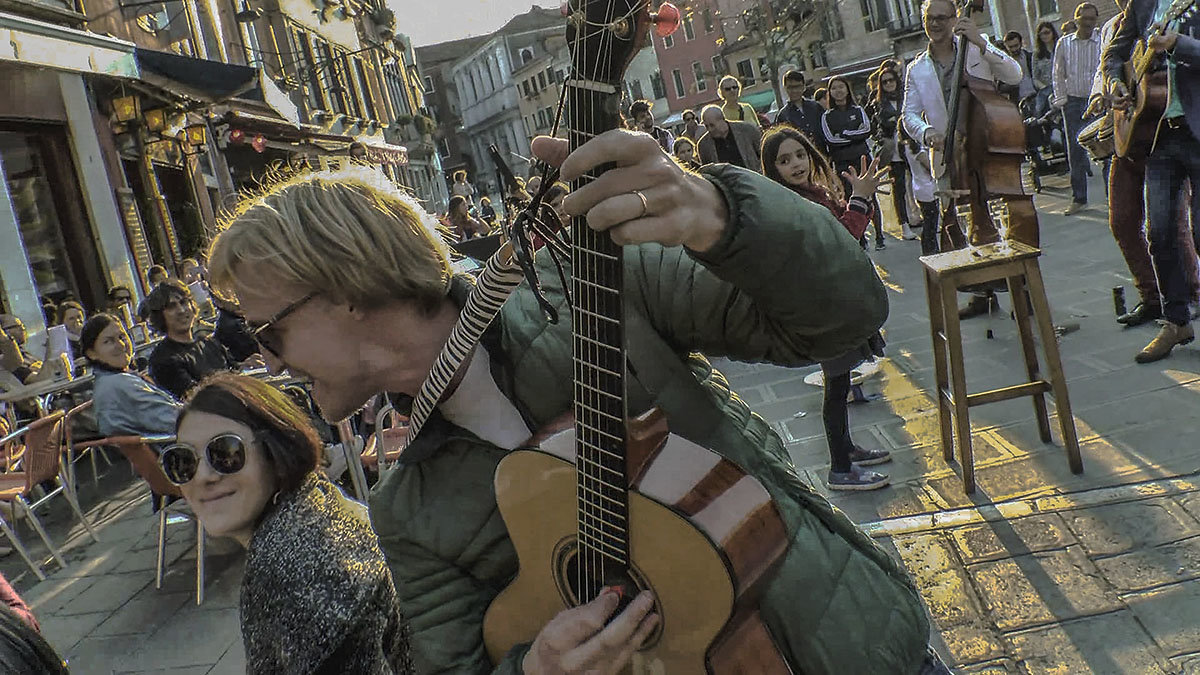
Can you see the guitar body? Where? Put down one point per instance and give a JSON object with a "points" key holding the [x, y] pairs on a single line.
{"points": [[1134, 129], [703, 537]]}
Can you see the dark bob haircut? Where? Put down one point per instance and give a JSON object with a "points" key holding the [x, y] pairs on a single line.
{"points": [[160, 297], [92, 329], [289, 441]]}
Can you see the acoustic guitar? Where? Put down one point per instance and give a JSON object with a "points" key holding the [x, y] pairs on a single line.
{"points": [[621, 502], [1135, 128]]}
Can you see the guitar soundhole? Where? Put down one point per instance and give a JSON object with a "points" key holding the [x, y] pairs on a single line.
{"points": [[566, 577]]}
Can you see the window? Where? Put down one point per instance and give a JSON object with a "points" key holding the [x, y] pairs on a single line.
{"points": [[560, 76], [668, 42], [525, 88], [656, 84], [698, 73], [678, 78], [831, 24], [305, 67], [367, 102], [708, 20], [816, 54], [875, 14], [393, 77], [541, 80], [549, 75], [718, 65], [254, 55], [526, 55], [1047, 6], [689, 32], [428, 84], [635, 90], [764, 73], [745, 71]]}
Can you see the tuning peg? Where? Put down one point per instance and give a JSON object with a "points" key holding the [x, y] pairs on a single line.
{"points": [[666, 19]]}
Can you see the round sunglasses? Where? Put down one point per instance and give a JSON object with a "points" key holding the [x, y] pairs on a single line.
{"points": [[225, 453]]}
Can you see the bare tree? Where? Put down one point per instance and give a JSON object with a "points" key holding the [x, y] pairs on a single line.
{"points": [[780, 26]]}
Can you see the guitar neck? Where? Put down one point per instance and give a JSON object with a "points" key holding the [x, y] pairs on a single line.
{"points": [[599, 356]]}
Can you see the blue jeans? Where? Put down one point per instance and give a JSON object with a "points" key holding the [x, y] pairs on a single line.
{"points": [[1176, 157], [1077, 157]]}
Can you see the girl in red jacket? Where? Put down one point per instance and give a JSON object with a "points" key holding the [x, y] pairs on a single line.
{"points": [[791, 159]]}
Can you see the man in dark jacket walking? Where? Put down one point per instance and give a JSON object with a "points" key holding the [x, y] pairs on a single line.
{"points": [[729, 142], [801, 112]]}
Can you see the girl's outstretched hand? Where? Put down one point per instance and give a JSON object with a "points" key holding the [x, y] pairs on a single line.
{"points": [[865, 182]]}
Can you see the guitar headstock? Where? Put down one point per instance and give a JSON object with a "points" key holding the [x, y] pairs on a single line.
{"points": [[1179, 9], [605, 35]]}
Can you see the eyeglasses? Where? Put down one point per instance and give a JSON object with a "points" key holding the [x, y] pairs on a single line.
{"points": [[890, 80], [730, 88], [939, 18], [265, 336], [225, 453]]}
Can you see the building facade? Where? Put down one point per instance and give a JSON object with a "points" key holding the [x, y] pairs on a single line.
{"points": [[690, 58]]}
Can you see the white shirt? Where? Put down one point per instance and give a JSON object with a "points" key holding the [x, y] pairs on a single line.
{"points": [[479, 406], [1075, 63], [925, 105]]}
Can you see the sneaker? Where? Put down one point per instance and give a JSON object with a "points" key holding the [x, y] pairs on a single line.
{"points": [[863, 457], [1074, 208], [879, 245], [906, 232], [857, 479], [1168, 336]]}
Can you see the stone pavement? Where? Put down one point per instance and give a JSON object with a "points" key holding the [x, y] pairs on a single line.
{"points": [[1041, 571]]}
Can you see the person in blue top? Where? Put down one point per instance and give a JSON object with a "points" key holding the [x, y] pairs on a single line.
{"points": [[125, 403], [801, 112], [1174, 155]]}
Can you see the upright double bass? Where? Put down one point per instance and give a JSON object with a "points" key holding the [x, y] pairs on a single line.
{"points": [[981, 160]]}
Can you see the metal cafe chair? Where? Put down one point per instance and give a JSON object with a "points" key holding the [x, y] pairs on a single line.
{"points": [[385, 445], [41, 465], [77, 450], [144, 461]]}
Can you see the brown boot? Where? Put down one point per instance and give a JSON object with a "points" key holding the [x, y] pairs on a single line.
{"points": [[1168, 336]]}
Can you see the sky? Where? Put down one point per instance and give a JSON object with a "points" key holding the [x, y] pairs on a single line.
{"points": [[430, 21]]}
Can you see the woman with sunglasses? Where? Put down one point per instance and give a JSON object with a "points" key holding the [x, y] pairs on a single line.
{"points": [[885, 110], [317, 596], [124, 403]]}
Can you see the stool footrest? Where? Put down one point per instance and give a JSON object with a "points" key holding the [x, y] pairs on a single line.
{"points": [[1006, 393]]}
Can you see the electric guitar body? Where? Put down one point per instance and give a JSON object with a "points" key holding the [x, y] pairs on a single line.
{"points": [[703, 537]]}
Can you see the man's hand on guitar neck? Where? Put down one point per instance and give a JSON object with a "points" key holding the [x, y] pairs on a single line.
{"points": [[645, 197], [1118, 93], [1164, 42], [578, 641]]}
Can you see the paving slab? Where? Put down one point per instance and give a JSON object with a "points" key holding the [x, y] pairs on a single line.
{"points": [[220, 628], [1041, 588], [1155, 566], [1019, 536], [1170, 615], [1119, 528], [944, 585], [1111, 644]]}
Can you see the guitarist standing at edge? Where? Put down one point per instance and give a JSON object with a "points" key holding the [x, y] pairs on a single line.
{"points": [[1175, 155], [348, 286]]}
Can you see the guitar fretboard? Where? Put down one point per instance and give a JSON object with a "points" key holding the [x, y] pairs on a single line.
{"points": [[599, 358]]}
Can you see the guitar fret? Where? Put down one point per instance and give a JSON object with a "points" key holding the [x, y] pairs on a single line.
{"points": [[614, 439], [593, 366], [618, 558], [598, 254], [599, 287], [614, 541], [594, 315], [605, 467], [601, 495], [601, 413], [608, 512], [598, 391], [597, 448], [597, 343]]}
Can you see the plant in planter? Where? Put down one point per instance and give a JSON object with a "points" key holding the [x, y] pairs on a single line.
{"points": [[425, 124]]}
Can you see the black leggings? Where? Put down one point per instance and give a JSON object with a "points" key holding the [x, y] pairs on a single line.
{"points": [[836, 414], [899, 175]]}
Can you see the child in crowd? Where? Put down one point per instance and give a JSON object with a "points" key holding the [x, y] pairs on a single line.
{"points": [[790, 158]]}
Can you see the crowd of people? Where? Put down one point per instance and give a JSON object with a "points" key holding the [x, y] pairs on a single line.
{"points": [[747, 239]]}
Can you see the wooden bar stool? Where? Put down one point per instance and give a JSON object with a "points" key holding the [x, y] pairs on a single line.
{"points": [[1016, 263]]}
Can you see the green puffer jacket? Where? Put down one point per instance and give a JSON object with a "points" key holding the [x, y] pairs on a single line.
{"points": [[786, 284]]}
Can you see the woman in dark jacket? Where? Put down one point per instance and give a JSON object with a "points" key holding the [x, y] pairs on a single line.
{"points": [[847, 127], [885, 114], [317, 596]]}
